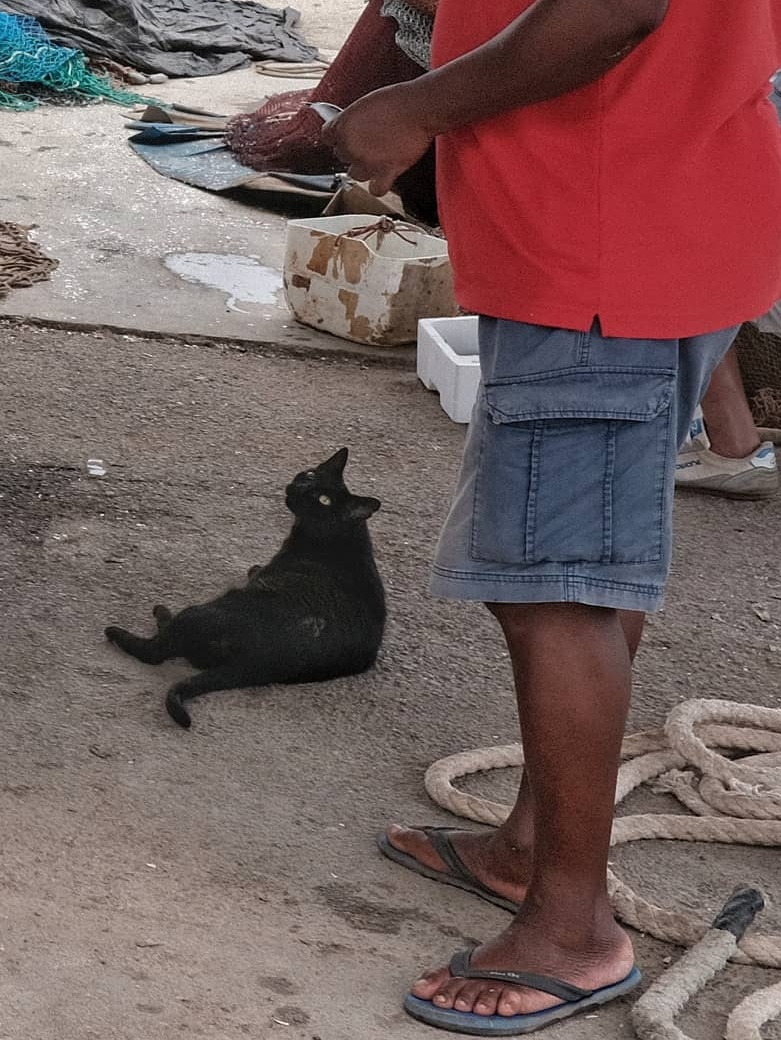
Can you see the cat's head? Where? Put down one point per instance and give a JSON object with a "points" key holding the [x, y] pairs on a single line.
{"points": [[320, 497]]}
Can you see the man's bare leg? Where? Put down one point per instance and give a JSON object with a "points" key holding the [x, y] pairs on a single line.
{"points": [[502, 858], [572, 669]]}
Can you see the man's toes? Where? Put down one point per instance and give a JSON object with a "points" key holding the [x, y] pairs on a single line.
{"points": [[416, 844], [448, 995], [523, 1001], [487, 1000], [479, 996], [428, 984]]}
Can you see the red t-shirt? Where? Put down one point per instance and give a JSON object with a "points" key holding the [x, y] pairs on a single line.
{"points": [[650, 198]]}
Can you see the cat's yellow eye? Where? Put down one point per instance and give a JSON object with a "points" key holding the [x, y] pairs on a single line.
{"points": [[324, 500]]}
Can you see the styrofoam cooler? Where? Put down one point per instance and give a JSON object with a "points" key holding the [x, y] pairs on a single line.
{"points": [[365, 279], [448, 361]]}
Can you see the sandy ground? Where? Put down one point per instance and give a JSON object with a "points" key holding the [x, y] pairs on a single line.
{"points": [[220, 882]]}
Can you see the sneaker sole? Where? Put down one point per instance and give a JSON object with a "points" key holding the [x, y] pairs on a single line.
{"points": [[720, 492]]}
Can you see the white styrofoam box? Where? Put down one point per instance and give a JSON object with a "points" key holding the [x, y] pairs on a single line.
{"points": [[449, 361], [365, 278]]}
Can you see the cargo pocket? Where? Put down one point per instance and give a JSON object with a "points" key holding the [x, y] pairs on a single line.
{"points": [[573, 467]]}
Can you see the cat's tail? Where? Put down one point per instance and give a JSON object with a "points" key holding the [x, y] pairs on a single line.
{"points": [[224, 677], [175, 707]]}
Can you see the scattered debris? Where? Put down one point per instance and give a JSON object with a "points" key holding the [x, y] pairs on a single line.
{"points": [[100, 752]]}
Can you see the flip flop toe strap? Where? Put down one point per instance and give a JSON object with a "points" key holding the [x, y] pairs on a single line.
{"points": [[461, 968], [441, 839]]}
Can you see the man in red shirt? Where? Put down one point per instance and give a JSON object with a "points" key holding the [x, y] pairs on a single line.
{"points": [[610, 185]]}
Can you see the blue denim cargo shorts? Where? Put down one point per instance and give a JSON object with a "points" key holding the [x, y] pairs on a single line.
{"points": [[566, 487]]}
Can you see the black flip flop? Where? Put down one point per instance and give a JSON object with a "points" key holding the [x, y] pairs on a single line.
{"points": [[458, 873], [574, 1000]]}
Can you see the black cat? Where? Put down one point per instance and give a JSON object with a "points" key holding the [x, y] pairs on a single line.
{"points": [[315, 612]]}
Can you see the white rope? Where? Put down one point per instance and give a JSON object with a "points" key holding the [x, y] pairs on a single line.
{"points": [[749, 1016], [292, 70], [736, 802], [653, 1016]]}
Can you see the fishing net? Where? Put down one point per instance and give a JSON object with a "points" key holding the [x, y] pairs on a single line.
{"points": [[31, 64], [284, 134], [759, 354]]}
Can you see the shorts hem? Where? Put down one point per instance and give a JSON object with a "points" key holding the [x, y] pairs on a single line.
{"points": [[557, 588]]}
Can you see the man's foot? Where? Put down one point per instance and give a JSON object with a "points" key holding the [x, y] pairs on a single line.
{"points": [[490, 857], [531, 944]]}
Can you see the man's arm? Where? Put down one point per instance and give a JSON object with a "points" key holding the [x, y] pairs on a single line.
{"points": [[553, 48]]}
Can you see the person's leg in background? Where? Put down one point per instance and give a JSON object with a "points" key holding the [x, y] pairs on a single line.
{"points": [[724, 455], [728, 419]]}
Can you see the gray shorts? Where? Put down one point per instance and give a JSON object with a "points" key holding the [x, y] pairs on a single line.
{"points": [[566, 487]]}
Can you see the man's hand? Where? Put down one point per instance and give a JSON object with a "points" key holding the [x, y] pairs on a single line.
{"points": [[554, 47], [380, 136]]}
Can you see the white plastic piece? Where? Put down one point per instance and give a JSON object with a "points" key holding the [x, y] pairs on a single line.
{"points": [[326, 111], [96, 468], [449, 361]]}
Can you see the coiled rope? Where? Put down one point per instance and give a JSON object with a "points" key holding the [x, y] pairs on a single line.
{"points": [[736, 801]]}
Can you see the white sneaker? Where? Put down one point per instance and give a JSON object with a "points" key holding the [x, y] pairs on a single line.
{"points": [[700, 469]]}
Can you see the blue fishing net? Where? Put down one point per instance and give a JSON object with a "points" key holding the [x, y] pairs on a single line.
{"points": [[29, 59]]}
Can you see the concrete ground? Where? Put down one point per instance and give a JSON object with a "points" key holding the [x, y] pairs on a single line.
{"points": [[222, 883], [134, 246]]}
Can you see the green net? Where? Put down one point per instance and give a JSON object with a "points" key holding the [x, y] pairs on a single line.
{"points": [[29, 59]]}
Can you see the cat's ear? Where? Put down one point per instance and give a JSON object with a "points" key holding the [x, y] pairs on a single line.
{"points": [[337, 462], [362, 508]]}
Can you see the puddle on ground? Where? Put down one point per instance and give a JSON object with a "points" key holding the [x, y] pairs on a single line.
{"points": [[243, 278]]}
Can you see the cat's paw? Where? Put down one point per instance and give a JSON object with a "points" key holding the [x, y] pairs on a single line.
{"points": [[113, 634]]}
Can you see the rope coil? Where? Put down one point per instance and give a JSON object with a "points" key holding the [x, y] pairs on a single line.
{"points": [[692, 731], [733, 801]]}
